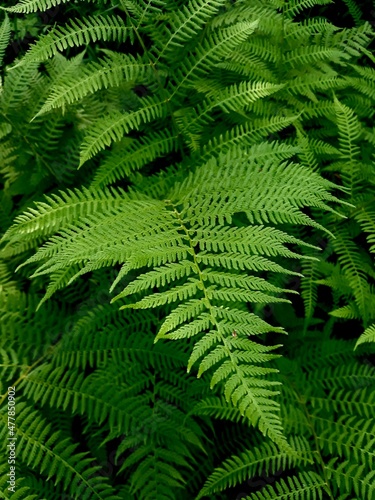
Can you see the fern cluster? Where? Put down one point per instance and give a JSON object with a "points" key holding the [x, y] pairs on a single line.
{"points": [[187, 228]]}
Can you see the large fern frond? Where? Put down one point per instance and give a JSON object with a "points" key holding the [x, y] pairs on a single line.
{"points": [[185, 223]]}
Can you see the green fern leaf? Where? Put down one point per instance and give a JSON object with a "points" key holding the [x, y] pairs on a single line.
{"points": [[113, 127], [40, 448], [187, 22], [305, 486], [215, 48], [367, 336], [105, 73], [133, 155], [5, 30], [76, 33], [267, 459]]}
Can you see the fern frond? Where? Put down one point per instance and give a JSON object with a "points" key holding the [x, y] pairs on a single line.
{"points": [[365, 215], [354, 11], [312, 55], [5, 30], [95, 350], [344, 438], [349, 477], [143, 10], [42, 449], [360, 401], [91, 395], [74, 34], [132, 155], [191, 227], [351, 262], [186, 22], [367, 336], [248, 134], [349, 132], [22, 490], [232, 129], [113, 127], [351, 376], [234, 98], [213, 49], [311, 272], [31, 332], [105, 73], [18, 88], [365, 83], [55, 212], [296, 6], [305, 486], [28, 6], [266, 459]]}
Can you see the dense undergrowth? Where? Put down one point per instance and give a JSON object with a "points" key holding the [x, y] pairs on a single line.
{"points": [[186, 268]]}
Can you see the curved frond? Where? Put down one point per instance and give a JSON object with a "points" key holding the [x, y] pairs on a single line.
{"points": [[74, 34]]}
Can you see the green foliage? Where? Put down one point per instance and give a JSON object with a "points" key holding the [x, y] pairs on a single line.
{"points": [[4, 37], [76, 33], [173, 176]]}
